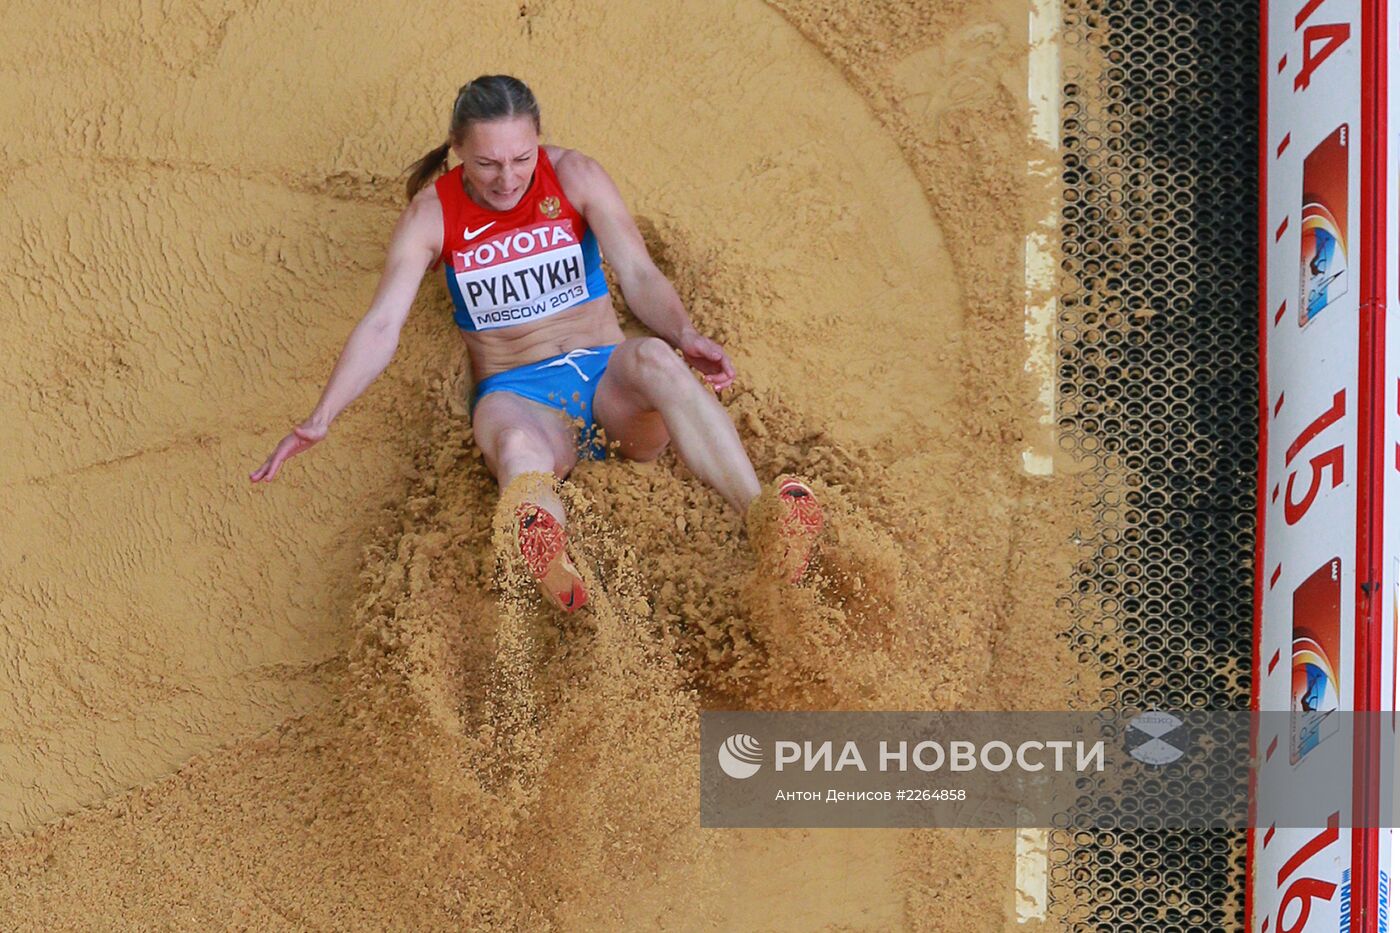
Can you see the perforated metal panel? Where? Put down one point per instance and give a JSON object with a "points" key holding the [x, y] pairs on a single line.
{"points": [[1158, 393]]}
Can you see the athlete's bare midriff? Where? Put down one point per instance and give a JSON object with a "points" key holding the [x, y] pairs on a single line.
{"points": [[592, 324], [589, 325]]}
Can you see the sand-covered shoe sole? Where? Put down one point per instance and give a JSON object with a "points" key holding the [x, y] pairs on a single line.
{"points": [[800, 525], [544, 545]]}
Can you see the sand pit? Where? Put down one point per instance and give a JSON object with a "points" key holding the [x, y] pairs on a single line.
{"points": [[327, 703]]}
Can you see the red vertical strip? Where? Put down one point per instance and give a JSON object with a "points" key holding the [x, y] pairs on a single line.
{"points": [[1371, 468]]}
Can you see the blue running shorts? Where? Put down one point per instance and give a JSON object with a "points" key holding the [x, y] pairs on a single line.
{"points": [[566, 382]]}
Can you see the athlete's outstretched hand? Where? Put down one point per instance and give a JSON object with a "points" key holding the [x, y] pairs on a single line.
{"points": [[303, 437], [708, 358]]}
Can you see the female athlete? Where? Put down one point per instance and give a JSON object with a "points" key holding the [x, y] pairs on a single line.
{"points": [[519, 228]]}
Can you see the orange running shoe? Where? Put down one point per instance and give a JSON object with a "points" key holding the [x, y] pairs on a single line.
{"points": [[800, 524], [543, 544]]}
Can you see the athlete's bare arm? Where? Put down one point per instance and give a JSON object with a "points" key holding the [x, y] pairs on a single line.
{"points": [[649, 294], [413, 247]]}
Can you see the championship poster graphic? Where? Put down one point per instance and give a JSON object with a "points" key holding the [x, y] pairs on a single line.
{"points": [[1323, 264], [1317, 641]]}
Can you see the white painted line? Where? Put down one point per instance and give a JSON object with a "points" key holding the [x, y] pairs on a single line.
{"points": [[1032, 892], [1043, 92], [1032, 885]]}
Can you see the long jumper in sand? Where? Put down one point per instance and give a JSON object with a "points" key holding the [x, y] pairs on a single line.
{"points": [[519, 228]]}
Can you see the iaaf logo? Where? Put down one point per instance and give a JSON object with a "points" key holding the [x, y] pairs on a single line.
{"points": [[514, 244]]}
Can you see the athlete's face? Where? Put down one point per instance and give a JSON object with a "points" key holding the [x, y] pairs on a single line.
{"points": [[498, 159]]}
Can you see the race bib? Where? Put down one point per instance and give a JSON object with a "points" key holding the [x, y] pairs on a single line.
{"points": [[521, 275]]}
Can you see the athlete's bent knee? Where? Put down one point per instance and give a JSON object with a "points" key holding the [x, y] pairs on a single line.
{"points": [[659, 368]]}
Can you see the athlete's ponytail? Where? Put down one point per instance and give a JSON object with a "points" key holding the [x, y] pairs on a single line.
{"points": [[489, 97], [426, 168]]}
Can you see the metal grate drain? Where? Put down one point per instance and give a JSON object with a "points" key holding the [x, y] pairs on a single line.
{"points": [[1157, 388]]}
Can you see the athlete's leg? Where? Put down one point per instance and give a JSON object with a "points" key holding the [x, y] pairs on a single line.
{"points": [[517, 436], [648, 397]]}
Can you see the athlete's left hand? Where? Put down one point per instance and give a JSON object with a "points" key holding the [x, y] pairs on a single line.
{"points": [[708, 357]]}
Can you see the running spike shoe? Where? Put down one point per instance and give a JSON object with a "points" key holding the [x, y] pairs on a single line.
{"points": [[799, 525], [543, 544]]}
